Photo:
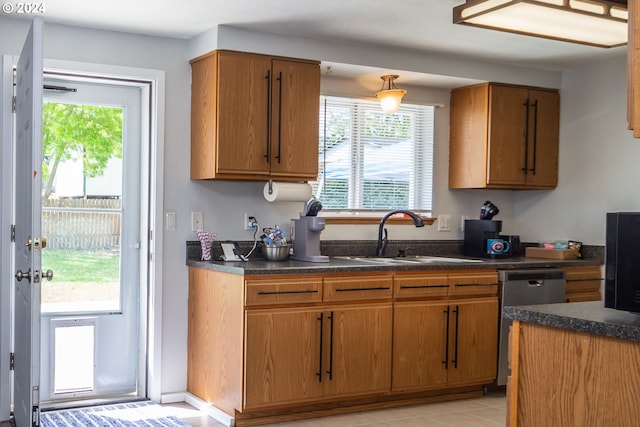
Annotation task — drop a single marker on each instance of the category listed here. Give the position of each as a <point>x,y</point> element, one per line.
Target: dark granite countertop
<point>342,265</point>
<point>589,317</point>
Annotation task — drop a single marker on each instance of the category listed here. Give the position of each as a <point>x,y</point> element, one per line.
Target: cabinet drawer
<point>583,273</point>
<point>583,283</point>
<point>423,285</point>
<point>474,283</point>
<point>283,291</point>
<point>358,288</point>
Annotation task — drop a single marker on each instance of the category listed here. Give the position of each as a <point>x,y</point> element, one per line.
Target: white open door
<point>28,241</point>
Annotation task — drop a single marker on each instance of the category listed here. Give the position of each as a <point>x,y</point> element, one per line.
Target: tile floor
<point>486,411</point>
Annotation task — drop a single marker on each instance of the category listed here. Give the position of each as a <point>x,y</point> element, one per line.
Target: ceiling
<point>420,25</point>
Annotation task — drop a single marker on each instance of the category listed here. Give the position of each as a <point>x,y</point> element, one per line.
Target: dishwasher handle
<point>536,283</point>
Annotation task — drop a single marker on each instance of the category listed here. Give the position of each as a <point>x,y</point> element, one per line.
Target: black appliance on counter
<point>482,236</point>
<point>622,262</point>
<point>476,234</point>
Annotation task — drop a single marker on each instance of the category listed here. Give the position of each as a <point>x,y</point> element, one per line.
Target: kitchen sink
<point>429,259</point>
<point>417,259</point>
<point>380,260</point>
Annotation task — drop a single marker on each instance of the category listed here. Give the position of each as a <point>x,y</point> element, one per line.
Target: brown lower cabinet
<point>300,354</point>
<point>443,343</point>
<point>565,378</point>
<point>583,283</point>
<point>270,348</point>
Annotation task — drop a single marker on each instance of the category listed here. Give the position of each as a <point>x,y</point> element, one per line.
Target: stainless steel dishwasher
<point>526,287</point>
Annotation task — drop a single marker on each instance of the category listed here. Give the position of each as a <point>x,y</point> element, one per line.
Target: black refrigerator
<point>622,261</point>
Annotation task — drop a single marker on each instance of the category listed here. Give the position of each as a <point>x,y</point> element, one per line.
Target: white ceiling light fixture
<point>592,22</point>
<point>391,97</point>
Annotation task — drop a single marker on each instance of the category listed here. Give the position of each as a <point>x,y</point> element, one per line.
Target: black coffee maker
<point>482,236</point>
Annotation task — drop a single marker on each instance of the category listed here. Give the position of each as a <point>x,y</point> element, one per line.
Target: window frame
<point>367,216</point>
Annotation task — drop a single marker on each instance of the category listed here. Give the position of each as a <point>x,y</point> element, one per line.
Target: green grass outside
<point>77,266</point>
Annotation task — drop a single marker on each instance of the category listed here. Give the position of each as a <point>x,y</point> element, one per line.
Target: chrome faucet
<point>382,242</point>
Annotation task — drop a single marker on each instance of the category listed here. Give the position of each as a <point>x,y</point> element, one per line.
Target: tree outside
<point>87,133</point>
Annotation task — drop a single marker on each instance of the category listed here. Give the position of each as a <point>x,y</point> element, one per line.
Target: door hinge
<point>12,361</point>
<point>13,233</point>
<point>13,104</point>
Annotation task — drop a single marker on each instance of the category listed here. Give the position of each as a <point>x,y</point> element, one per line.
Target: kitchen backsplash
<point>368,248</point>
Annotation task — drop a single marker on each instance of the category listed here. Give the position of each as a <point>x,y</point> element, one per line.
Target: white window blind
<point>372,161</point>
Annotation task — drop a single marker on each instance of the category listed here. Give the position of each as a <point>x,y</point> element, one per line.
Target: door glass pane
<point>82,207</point>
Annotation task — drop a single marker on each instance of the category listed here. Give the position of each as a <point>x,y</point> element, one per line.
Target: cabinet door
<point>420,345</point>
<point>358,350</point>
<point>282,356</point>
<point>294,124</point>
<point>544,125</point>
<point>473,341</point>
<point>242,113</point>
<point>507,135</point>
<point>468,137</point>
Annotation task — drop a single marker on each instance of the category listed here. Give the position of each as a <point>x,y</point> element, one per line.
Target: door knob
<point>20,275</point>
<point>48,275</point>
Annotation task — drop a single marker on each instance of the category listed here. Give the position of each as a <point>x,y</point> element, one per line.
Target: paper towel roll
<point>287,192</point>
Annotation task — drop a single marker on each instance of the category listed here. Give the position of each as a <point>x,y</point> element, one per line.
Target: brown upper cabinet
<point>504,137</point>
<point>254,117</point>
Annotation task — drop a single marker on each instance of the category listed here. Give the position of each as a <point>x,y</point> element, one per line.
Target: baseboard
<point>173,397</point>
<point>215,413</point>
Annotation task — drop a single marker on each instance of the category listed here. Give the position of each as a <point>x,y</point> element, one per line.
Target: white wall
<point>599,161</point>
<point>596,152</point>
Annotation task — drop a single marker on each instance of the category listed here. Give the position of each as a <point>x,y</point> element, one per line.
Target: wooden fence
<point>88,224</point>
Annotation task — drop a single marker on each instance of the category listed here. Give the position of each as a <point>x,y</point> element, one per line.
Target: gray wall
<point>599,161</point>
<point>597,154</point>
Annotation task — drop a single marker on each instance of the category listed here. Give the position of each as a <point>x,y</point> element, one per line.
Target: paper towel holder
<point>270,186</point>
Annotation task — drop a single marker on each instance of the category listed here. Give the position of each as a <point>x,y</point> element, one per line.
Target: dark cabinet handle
<point>267,155</point>
<point>455,349</point>
<point>379,288</point>
<point>279,117</point>
<point>424,286</point>
<point>305,291</point>
<point>535,135</point>
<point>445,362</point>
<point>319,373</point>
<point>475,284</point>
<point>526,138</point>
<point>330,371</point>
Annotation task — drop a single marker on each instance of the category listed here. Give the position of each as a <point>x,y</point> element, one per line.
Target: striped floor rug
<point>136,414</point>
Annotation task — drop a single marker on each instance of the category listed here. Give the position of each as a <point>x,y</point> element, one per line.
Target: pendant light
<point>391,97</point>
<point>592,22</point>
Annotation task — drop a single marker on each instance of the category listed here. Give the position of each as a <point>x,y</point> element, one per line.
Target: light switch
<point>444,222</point>
<point>170,221</point>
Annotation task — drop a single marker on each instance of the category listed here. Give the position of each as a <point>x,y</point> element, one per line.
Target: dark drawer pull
<point>424,286</point>
<point>306,291</point>
<point>585,280</point>
<point>381,288</point>
<point>476,284</point>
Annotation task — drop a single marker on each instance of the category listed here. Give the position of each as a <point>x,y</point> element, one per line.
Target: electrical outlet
<point>444,222</point>
<point>249,224</point>
<point>197,221</point>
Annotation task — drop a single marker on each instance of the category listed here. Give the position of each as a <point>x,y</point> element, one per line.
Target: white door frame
<point>6,217</point>
<point>116,373</point>
<point>155,175</point>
